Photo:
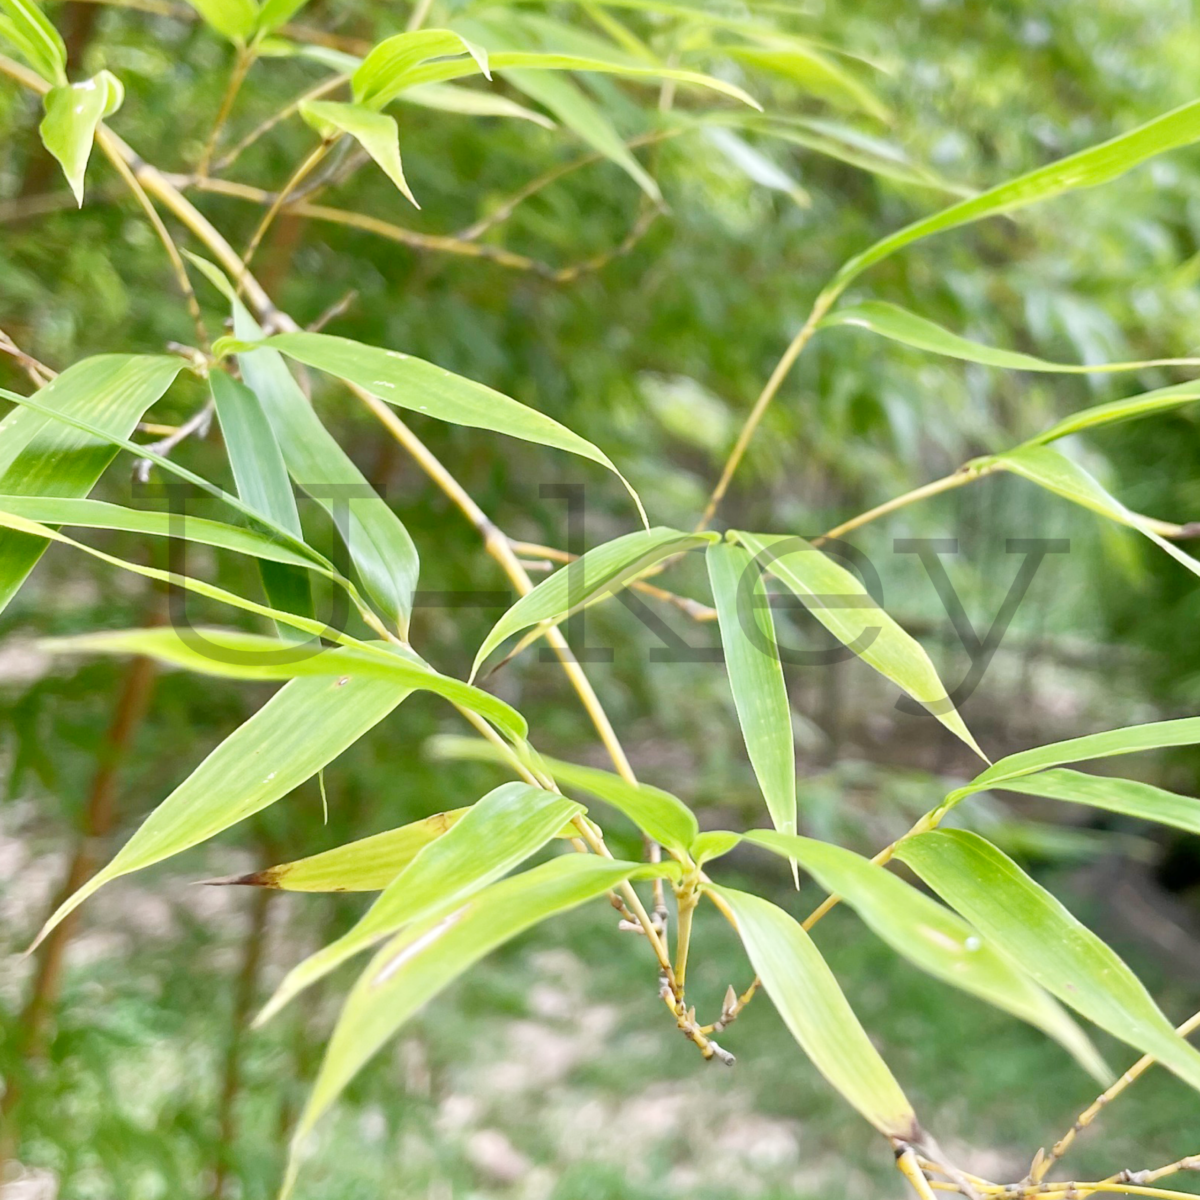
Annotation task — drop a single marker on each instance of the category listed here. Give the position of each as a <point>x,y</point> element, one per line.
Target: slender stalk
<point>1043,1164</point>
<point>242,62</point>
<point>946,483</point>
<point>907,1165</point>
<point>419,13</point>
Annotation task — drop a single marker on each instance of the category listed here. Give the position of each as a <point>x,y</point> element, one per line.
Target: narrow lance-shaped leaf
<point>1056,473</point>
<point>36,38</point>
<point>804,990</point>
<point>496,834</point>
<point>1155,735</point>
<point>1095,165</point>
<point>379,545</point>
<point>232,654</point>
<point>935,939</point>
<point>899,325</point>
<point>69,126</point>
<point>446,97</point>
<point>813,71</point>
<point>412,383</point>
<point>383,74</point>
<point>301,729</point>
<point>1032,927</point>
<point>1130,797</point>
<point>262,482</point>
<point>659,814</point>
<point>837,599</point>
<point>420,962</point>
<point>40,456</point>
<point>756,677</point>
<point>598,573</point>
<point>366,865</point>
<point>232,19</point>
<point>375,132</point>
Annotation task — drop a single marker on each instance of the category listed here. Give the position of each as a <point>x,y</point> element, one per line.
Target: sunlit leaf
<point>934,939</point>
<point>417,964</point>
<point>40,456</point>
<point>384,73</point>
<point>755,676</point>
<point>837,598</point>
<point>814,72</point>
<point>37,39</point>
<point>1034,929</point>
<point>1129,797</point>
<point>1143,405</point>
<point>446,97</point>
<point>231,654</point>
<point>811,1003</point>
<point>899,325</point>
<point>69,126</point>
<point>375,132</point>
<point>496,834</point>
<point>600,572</point>
<point>303,727</point>
<point>234,19</point>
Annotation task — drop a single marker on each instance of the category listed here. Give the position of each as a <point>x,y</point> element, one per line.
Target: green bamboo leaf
<point>379,545</point>
<point>376,132</point>
<point>755,676</point>
<point>69,126</point>
<point>303,727</point>
<point>935,939</point>
<point>1156,735</point>
<point>812,1006</point>
<point>274,13</point>
<point>899,325</point>
<point>262,482</point>
<point>446,97</point>
<point>659,814</point>
<point>814,72</point>
<point>384,73</point>
<point>1089,168</point>
<point>231,654</point>
<point>1058,474</point>
<point>576,112</point>
<point>496,834</point>
<point>1127,796</point>
<point>840,602</point>
<point>1143,405</point>
<point>42,456</point>
<point>40,43</point>
<point>236,20</point>
<point>411,383</point>
<point>598,573</point>
<point>424,959</point>
<point>503,61</point>
<point>1029,925</point>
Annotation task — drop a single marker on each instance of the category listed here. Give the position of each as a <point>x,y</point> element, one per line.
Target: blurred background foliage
<point>547,1073</point>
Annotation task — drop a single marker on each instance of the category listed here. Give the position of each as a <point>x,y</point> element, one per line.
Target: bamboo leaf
<point>37,39</point>
<point>231,654</point>
<point>262,482</point>
<point>899,325</point>
<point>935,939</point>
<point>811,1003</point>
<point>1127,796</point>
<point>69,126</point>
<point>1029,925</point>
<point>1144,405</point>
<point>376,132</point>
<point>1058,474</point>
<point>1156,735</point>
<point>378,543</point>
<point>420,962</point>
<point>814,72</point>
<point>274,13</point>
<point>42,456</point>
<point>233,19</point>
<point>496,834</point>
<point>366,865</point>
<point>446,97</point>
<point>840,602</point>
<point>411,383</point>
<point>384,72</point>
<point>659,814</point>
<point>756,677</point>
<point>1089,168</point>
<point>603,570</point>
<point>303,727</point>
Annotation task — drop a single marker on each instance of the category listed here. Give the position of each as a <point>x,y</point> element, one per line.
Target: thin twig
<point>242,62</point>
<point>198,423</point>
<point>38,372</point>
